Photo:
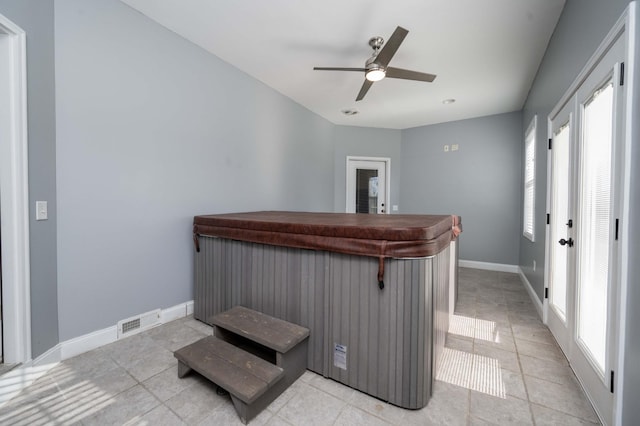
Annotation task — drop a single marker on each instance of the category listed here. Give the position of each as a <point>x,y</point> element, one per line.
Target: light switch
<point>41,210</point>
<point>446,148</point>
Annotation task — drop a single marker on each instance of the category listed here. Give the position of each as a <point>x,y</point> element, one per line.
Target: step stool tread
<point>271,332</point>
<point>240,373</point>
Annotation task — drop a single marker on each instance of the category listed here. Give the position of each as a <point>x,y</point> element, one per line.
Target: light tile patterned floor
<point>501,366</point>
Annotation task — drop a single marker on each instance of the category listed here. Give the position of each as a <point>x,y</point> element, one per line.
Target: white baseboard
<point>500,267</point>
<point>22,376</point>
<point>85,343</point>
<point>174,313</point>
<point>532,294</point>
<point>95,339</point>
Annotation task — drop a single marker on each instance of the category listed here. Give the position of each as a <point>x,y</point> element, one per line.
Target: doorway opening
<point>368,180</point>
<point>14,195</point>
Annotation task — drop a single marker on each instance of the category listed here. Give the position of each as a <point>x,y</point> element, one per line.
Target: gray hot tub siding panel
<point>388,333</point>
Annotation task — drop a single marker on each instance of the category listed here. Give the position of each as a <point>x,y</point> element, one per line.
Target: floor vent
<point>139,323</point>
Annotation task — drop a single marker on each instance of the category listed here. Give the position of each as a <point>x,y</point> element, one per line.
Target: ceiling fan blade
<point>364,89</point>
<point>391,46</point>
<point>338,69</point>
<point>409,75</point>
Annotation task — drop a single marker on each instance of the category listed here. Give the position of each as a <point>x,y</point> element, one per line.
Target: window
<point>528,226</point>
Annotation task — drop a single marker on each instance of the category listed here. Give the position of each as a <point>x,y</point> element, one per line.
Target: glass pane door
<point>559,222</point>
<point>561,230</point>
<point>597,120</point>
<point>367,183</point>
<point>366,191</point>
<point>595,224</point>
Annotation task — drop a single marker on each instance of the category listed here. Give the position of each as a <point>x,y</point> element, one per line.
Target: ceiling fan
<point>376,68</point>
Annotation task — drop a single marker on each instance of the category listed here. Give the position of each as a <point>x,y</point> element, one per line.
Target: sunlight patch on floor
<point>474,328</point>
<point>45,404</point>
<point>471,371</point>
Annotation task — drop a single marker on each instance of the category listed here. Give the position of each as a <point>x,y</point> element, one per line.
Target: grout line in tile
<point>524,383</point>
<point>340,413</point>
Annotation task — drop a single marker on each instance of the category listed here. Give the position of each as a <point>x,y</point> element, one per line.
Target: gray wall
<point>365,142</point>
<point>482,181</point>
<point>581,28</point>
<point>36,19</point>
<point>150,131</point>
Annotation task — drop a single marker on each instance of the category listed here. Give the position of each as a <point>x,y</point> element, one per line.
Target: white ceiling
<point>485,52</point>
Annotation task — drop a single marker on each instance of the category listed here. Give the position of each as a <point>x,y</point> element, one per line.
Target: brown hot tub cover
<point>381,236</point>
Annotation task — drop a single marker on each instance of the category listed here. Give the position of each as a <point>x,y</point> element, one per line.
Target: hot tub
<point>374,290</point>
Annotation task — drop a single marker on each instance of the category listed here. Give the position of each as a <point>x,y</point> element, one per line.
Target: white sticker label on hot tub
<point>340,356</point>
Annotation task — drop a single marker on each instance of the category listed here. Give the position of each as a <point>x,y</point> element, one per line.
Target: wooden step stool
<point>253,356</point>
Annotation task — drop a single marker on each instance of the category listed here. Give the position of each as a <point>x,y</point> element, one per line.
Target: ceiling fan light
<point>375,74</point>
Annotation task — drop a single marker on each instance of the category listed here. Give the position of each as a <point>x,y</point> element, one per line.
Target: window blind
<point>528,228</point>
<point>595,223</point>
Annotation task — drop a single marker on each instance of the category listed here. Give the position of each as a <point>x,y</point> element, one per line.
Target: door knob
<point>568,242</point>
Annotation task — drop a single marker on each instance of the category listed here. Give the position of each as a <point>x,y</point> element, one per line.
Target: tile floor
<point>500,366</point>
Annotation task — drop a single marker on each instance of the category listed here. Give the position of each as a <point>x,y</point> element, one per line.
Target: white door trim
<point>15,194</point>
<point>387,179</point>
<point>630,21</point>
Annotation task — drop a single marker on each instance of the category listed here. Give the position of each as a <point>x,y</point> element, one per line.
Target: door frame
<point>14,203</point>
<point>387,178</point>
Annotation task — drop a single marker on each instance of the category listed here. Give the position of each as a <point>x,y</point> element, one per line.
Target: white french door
<point>560,313</point>
<point>367,182</point>
<point>584,205</point>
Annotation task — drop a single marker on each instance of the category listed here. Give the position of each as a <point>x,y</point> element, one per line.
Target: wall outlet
<point>394,208</point>
<point>454,147</point>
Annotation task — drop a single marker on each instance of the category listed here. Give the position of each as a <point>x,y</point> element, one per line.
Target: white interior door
<point>560,232</point>
<point>367,183</point>
<point>585,198</point>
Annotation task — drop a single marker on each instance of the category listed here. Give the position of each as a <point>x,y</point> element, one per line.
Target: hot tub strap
<point>196,243</point>
<point>381,272</point>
